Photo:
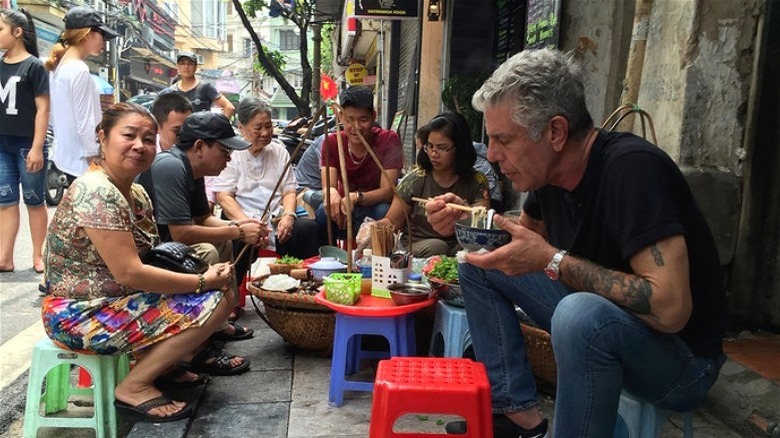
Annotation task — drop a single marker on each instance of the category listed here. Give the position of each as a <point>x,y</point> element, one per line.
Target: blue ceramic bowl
<point>474,239</point>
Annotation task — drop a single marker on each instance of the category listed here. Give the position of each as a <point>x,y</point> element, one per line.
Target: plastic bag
<point>363,238</point>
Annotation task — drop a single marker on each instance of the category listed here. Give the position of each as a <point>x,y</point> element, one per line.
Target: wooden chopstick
<point>451,205</point>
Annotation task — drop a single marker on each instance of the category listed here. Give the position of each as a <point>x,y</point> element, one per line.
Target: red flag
<point>328,87</point>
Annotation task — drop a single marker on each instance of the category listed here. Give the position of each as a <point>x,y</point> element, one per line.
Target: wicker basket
<point>306,329</point>
<point>540,354</point>
<point>298,319</point>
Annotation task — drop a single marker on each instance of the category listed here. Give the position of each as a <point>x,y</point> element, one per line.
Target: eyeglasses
<point>438,148</point>
<point>98,30</point>
<point>222,149</point>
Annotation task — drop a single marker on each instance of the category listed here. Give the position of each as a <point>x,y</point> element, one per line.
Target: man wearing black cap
<point>202,95</point>
<point>175,184</point>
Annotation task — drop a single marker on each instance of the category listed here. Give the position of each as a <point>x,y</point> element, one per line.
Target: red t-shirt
<point>364,175</point>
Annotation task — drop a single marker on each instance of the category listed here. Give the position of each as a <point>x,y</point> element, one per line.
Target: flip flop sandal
<point>239,334</point>
<point>219,365</point>
<point>169,380</point>
<point>141,411</point>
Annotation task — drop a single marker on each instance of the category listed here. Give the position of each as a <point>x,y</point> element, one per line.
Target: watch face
<point>552,274</point>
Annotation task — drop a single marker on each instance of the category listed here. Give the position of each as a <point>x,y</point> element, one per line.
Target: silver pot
<point>409,293</point>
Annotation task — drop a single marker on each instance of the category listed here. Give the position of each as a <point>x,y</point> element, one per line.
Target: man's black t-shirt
<point>202,96</point>
<point>20,84</point>
<point>632,195</point>
<point>176,196</point>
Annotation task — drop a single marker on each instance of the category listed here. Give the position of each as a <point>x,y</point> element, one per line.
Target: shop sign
<point>543,27</point>
<point>151,71</point>
<point>355,74</point>
<point>47,36</point>
<point>387,9</point>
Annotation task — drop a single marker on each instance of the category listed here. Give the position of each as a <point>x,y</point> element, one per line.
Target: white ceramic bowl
<point>326,266</point>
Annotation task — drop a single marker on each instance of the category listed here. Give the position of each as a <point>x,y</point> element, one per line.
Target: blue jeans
<point>13,171</point>
<point>359,213</point>
<point>599,350</point>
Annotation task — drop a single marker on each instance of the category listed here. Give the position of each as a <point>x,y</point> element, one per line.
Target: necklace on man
<point>352,156</point>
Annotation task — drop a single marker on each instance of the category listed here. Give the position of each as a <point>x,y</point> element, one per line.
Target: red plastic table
<point>369,305</point>
<point>369,316</point>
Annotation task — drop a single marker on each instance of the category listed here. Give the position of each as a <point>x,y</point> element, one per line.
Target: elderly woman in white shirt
<point>244,187</point>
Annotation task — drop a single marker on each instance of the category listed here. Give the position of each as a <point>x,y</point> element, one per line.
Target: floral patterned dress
<point>87,309</point>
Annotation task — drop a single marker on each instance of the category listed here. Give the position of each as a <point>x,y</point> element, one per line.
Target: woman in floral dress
<point>102,298</point>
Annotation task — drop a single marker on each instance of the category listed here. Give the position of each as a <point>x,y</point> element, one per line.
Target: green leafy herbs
<point>446,270</point>
<point>289,260</point>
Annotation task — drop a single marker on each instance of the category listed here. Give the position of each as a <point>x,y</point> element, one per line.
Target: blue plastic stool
<point>347,351</point>
<point>54,364</point>
<point>451,336</point>
<point>641,419</point>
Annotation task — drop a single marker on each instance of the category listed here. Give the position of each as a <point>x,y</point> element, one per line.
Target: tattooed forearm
<point>626,290</point>
<point>657,256</point>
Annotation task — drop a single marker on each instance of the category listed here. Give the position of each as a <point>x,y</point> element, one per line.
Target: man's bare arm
<point>658,291</point>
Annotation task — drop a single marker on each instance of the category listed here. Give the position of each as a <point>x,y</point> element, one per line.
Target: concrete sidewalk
<point>286,395</point>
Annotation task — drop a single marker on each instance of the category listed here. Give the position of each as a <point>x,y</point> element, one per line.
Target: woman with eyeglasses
<point>75,102</point>
<point>444,165</point>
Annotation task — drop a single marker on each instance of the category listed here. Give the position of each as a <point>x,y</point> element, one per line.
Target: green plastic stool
<point>54,364</point>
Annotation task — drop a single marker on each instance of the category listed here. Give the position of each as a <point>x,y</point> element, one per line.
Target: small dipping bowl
<point>450,293</point>
<point>409,293</point>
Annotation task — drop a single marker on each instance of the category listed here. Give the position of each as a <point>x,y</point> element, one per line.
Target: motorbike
<point>292,134</point>
<point>56,181</point>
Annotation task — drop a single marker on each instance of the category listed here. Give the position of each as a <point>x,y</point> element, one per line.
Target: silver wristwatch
<point>553,269</point>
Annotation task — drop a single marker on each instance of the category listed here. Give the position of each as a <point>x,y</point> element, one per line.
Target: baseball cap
<point>83,16</point>
<point>206,125</point>
<point>188,55</point>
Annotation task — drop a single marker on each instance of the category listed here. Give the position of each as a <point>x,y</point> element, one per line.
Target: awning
<point>103,86</point>
<point>156,85</point>
<point>143,54</point>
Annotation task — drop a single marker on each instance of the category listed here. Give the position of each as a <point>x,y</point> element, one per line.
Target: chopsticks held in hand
<point>465,208</point>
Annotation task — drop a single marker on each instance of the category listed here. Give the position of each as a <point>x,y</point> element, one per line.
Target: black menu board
<point>543,24</point>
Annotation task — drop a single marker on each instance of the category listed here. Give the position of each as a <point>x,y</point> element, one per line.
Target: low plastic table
<point>369,316</point>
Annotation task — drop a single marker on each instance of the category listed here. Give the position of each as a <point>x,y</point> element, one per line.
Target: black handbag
<point>177,257</point>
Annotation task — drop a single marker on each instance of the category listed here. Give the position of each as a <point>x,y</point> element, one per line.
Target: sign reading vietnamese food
<point>387,9</point>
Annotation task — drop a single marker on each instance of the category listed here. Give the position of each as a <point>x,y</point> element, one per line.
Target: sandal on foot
<point>169,380</point>
<point>216,362</point>
<point>239,334</point>
<point>141,410</point>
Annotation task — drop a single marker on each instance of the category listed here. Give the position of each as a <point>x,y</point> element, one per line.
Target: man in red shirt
<point>370,192</point>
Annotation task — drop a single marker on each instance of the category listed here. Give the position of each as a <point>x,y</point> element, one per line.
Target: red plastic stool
<point>406,385</point>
